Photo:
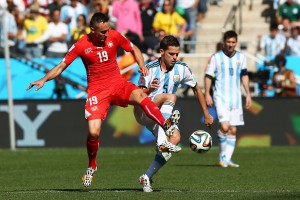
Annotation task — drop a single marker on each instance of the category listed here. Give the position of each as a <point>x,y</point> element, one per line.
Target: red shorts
<point>97,104</point>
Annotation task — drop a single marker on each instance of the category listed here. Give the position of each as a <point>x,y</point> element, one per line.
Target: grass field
<point>265,173</point>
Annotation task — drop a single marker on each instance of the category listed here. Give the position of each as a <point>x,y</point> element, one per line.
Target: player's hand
<point>208,120</point>
<point>38,83</point>
<point>248,102</point>
<point>208,100</point>
<point>144,70</point>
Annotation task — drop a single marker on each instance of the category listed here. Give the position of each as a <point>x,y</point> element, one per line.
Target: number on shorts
<point>93,100</point>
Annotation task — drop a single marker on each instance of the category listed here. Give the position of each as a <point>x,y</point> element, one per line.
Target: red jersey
<point>100,62</point>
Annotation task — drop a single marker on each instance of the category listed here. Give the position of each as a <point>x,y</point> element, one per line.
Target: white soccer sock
<point>166,109</point>
<point>222,143</point>
<point>231,139</point>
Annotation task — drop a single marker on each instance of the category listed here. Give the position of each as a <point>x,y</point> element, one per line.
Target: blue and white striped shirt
<point>227,91</point>
<point>168,81</point>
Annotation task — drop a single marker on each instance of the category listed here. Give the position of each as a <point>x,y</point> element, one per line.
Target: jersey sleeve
<point>188,77</point>
<point>72,54</point>
<point>124,43</point>
<point>211,66</point>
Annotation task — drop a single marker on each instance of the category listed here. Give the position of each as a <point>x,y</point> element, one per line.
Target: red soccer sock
<point>92,146</point>
<point>152,111</point>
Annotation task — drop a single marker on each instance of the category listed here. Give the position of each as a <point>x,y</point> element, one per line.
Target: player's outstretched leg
<point>145,181</point>
<point>87,178</point>
<point>171,123</point>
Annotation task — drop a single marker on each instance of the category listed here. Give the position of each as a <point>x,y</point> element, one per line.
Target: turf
<point>265,173</point>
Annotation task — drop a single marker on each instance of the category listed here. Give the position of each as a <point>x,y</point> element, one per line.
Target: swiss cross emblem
<point>110,44</point>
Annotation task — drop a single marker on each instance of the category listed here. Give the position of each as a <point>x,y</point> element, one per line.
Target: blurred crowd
<point>38,28</point>
<point>282,40</point>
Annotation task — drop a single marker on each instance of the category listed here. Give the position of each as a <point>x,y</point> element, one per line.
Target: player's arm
<point>208,119</point>
<point>54,72</point>
<point>245,82</point>
<point>140,60</point>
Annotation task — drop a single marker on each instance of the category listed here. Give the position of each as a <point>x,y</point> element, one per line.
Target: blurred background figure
<point>12,29</point>
<point>169,21</point>
<point>55,36</point>
<point>128,16</point>
<point>34,25</point>
<point>59,90</point>
<point>148,11</point>
<point>273,43</point>
<point>81,29</point>
<point>69,14</point>
<point>283,81</point>
<point>293,43</point>
<point>191,11</point>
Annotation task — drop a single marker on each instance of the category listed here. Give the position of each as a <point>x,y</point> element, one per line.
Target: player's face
<point>170,56</point>
<point>230,44</point>
<point>100,32</point>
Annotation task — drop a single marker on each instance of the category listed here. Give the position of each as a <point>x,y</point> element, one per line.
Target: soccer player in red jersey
<point>98,51</point>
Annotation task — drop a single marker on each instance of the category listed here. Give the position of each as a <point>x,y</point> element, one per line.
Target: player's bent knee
<point>172,98</point>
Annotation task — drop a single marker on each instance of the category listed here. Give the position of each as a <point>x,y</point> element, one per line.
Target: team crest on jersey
<point>238,62</point>
<point>110,44</point>
<point>176,78</point>
<point>88,50</point>
<point>94,108</point>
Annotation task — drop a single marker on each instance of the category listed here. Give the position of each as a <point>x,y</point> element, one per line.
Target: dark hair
<point>229,34</point>
<point>84,18</point>
<point>219,46</point>
<point>98,18</point>
<point>273,26</point>
<point>167,41</point>
<point>280,58</point>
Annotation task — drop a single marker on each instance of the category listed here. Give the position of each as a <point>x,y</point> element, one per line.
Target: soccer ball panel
<point>200,141</point>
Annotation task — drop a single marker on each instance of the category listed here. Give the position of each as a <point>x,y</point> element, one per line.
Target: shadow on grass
<point>197,165</point>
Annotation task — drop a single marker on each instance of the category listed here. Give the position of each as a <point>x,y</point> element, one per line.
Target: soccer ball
<point>200,141</point>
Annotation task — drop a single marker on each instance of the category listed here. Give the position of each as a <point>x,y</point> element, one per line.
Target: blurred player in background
<point>229,68</point>
<point>166,74</point>
<point>98,51</point>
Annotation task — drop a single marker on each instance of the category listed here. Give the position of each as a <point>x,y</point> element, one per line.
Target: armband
<point>244,72</point>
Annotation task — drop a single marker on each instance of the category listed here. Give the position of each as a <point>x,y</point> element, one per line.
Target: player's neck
<point>229,54</point>
<point>163,66</point>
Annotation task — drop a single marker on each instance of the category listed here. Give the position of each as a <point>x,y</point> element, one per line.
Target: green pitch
<point>265,173</point>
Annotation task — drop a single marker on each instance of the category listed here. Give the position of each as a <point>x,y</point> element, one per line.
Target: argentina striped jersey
<point>168,81</point>
<point>227,91</point>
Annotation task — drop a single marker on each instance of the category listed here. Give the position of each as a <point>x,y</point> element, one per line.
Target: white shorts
<point>233,116</point>
<point>143,119</point>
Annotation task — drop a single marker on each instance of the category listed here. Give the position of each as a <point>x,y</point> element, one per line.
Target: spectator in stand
<point>56,4</point>
<point>102,6</point>
<point>35,25</point>
<point>285,28</point>
<point>202,9</point>
<point>12,29</point>
<point>81,29</point>
<point>69,14</point>
<point>293,43</point>
<point>273,43</point>
<point>283,80</point>
<point>19,3</point>
<point>148,12</point>
<point>169,21</point>
<point>127,13</point>
<point>56,37</point>
<point>190,7</point>
<point>289,10</point>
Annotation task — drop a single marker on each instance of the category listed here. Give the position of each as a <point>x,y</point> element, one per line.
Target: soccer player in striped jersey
<point>106,87</point>
<point>229,68</point>
<point>165,75</point>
